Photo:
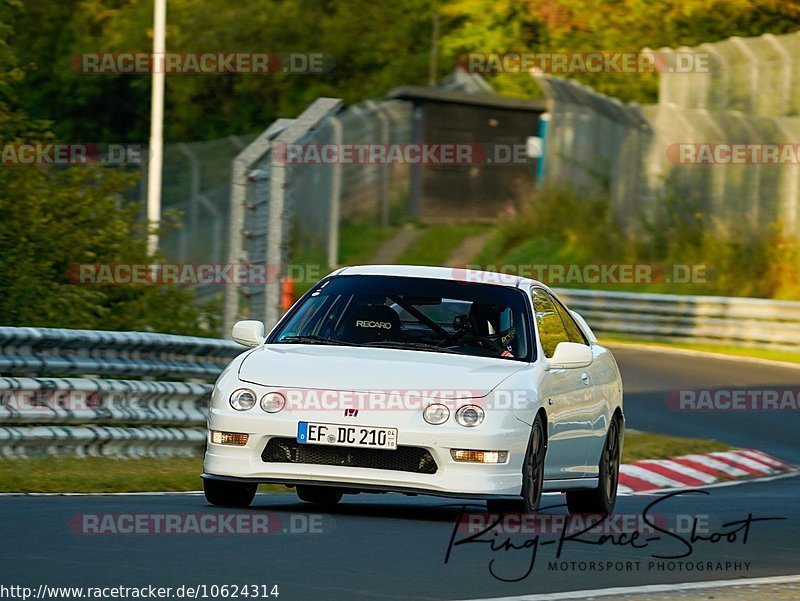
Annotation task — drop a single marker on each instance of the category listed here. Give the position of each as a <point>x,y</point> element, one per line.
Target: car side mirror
<point>249,332</point>
<point>569,355</point>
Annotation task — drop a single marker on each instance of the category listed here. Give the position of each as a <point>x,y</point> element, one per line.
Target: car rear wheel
<point>603,498</point>
<point>229,494</point>
<point>532,476</point>
<point>320,495</point>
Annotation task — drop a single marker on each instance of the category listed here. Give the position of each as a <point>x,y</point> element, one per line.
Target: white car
<point>420,380</point>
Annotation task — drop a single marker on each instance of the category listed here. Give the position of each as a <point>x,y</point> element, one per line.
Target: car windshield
<point>412,313</point>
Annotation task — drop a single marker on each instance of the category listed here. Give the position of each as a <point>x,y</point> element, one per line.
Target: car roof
<point>456,274</point>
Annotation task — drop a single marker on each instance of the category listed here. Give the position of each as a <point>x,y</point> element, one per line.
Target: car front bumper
<point>452,478</point>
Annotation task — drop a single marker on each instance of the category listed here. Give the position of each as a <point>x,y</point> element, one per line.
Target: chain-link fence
<point>595,143</point>
<point>321,196</point>
<point>755,76</point>
<point>195,191</point>
<point>706,143</point>
<point>282,207</point>
<point>746,93</point>
<point>271,208</point>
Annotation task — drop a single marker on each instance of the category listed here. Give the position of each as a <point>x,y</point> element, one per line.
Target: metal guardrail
<point>743,322</point>
<point>55,400</point>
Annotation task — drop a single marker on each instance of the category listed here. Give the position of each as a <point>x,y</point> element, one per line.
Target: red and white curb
<point>690,471</point>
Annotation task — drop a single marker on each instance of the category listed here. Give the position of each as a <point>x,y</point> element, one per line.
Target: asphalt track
<point>394,547</point>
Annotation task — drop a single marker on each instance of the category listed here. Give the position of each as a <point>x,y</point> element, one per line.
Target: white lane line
<point>680,469</point>
<point>644,474</point>
<point>745,461</point>
<point>649,589</point>
<point>709,461</point>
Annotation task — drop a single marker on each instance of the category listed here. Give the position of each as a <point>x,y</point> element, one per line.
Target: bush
<point>559,226</point>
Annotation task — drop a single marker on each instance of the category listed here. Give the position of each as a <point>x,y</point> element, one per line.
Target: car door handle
<point>585,378</point>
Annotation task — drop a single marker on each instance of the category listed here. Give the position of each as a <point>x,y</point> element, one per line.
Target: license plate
<point>347,436</point>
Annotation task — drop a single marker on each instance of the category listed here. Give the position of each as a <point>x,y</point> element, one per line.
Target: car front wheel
<point>532,476</point>
<point>603,498</point>
<point>229,494</point>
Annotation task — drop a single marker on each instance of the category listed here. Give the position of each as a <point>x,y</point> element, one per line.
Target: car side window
<point>573,331</point>
<point>551,327</point>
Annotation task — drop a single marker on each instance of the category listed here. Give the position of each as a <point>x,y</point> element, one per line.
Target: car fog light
<point>232,438</point>
<point>479,456</point>
<point>436,414</point>
<point>243,399</point>
<point>272,402</point>
<point>470,416</point>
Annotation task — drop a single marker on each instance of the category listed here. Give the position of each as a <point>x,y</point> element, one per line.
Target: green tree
<point>613,26</point>
<point>375,45</point>
<point>54,217</point>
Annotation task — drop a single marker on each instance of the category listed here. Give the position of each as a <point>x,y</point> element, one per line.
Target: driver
<point>493,324</point>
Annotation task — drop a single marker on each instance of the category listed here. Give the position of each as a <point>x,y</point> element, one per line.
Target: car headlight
<point>436,414</point>
<point>470,416</point>
<point>242,399</point>
<point>272,402</point>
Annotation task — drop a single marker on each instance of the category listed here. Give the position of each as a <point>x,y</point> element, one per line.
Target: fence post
<point>335,199</point>
<point>722,87</point>
<point>415,182</point>
<point>235,235</point>
<point>383,185</point>
<point>754,71</point>
<point>238,199</point>
<point>194,193</point>
<point>789,189</point>
<point>277,227</point>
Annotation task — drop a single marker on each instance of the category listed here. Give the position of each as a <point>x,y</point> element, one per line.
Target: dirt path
<point>388,253</point>
<point>468,249</point>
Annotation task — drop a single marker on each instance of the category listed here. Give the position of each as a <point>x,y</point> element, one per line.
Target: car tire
<point>229,494</point>
<point>601,500</point>
<point>532,476</point>
<point>319,495</point>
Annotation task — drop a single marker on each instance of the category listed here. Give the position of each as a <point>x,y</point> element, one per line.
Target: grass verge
<point>645,445</point>
<point>736,351</point>
<point>358,242</point>
<point>98,474</point>
<point>437,242</point>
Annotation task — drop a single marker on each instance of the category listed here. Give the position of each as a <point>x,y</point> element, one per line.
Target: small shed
<point>501,174</point>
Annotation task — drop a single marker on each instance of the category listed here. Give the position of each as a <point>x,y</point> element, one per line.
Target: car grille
<point>403,459</point>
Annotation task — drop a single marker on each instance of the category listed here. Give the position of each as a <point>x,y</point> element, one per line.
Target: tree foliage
<point>51,218</point>
<point>611,26</point>
<point>377,44</point>
<point>54,217</point>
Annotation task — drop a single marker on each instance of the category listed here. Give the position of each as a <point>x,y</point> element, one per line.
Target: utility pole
<point>155,154</point>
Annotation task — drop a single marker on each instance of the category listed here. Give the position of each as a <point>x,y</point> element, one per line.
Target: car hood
<point>324,367</point>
